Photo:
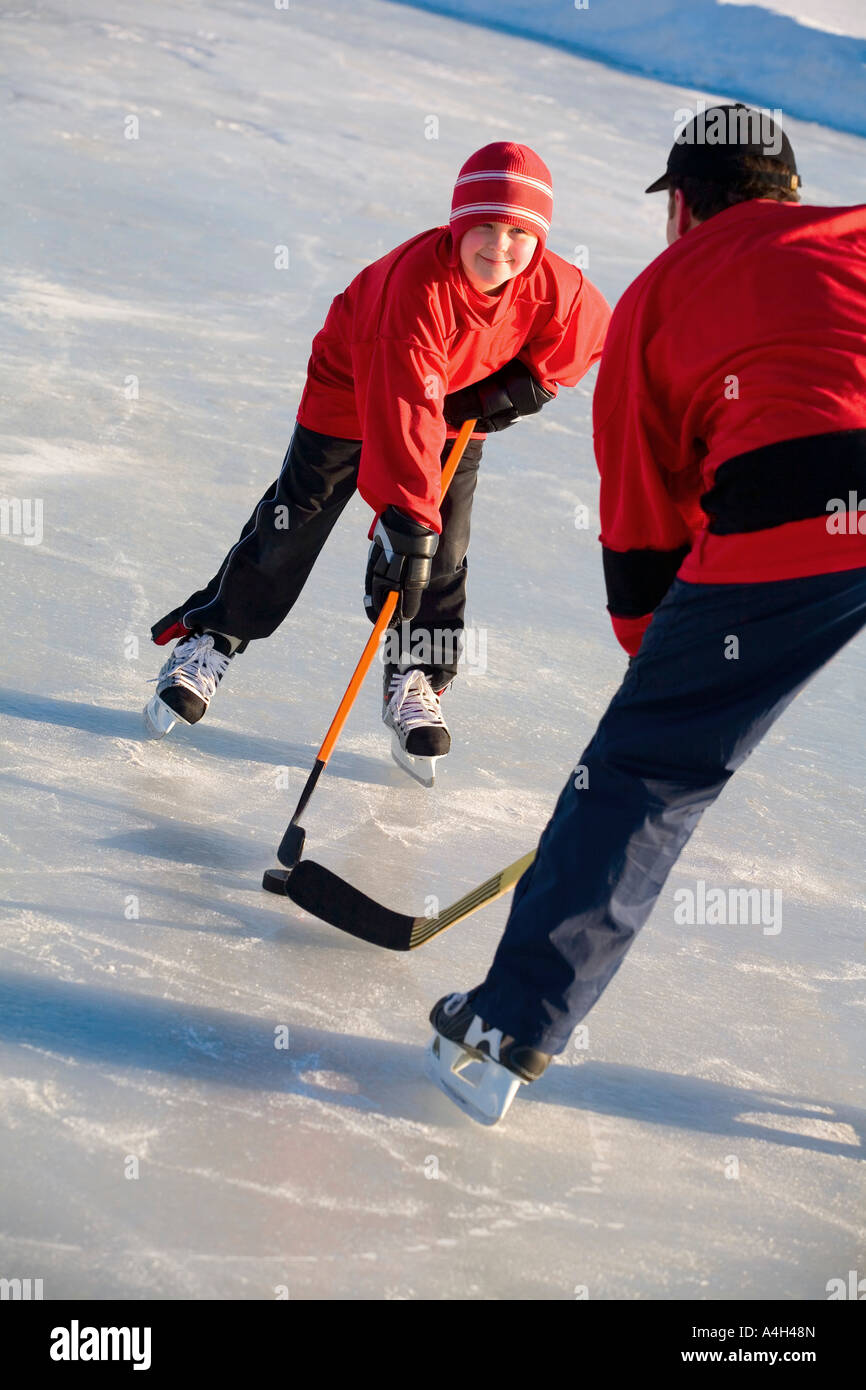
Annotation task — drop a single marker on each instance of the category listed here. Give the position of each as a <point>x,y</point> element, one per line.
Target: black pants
<point>260,579</point>
<point>690,710</point>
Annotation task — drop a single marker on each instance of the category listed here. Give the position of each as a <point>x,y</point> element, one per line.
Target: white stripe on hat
<point>520,214</point>
<point>506,174</point>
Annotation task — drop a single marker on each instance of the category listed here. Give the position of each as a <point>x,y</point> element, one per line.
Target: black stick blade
<point>291,845</point>
<point>326,895</point>
<point>275,880</point>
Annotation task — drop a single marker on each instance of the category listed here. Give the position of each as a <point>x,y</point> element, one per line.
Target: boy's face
<point>493,253</point>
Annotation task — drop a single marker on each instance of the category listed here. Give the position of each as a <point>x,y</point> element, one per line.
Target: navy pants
<point>692,706</point>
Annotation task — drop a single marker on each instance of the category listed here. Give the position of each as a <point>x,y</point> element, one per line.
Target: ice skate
<point>419,734</point>
<point>478,1067</point>
<point>187,681</point>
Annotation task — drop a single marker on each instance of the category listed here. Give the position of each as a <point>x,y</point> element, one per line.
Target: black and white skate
<point>495,1062</point>
<point>419,734</point>
<point>187,681</point>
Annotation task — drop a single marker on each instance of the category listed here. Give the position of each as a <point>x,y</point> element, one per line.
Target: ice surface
<point>802,56</point>
<point>143,973</point>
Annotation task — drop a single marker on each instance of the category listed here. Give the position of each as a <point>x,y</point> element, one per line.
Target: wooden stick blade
<point>487,892</point>
<point>323,893</point>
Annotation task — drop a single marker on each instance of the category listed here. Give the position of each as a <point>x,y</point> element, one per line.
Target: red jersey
<point>409,329</point>
<point>730,407</point>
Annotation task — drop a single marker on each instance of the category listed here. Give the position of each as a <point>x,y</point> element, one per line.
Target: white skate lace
<point>196,665</point>
<point>413,702</point>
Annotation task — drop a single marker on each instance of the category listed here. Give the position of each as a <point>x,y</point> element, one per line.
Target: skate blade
<point>159,719</point>
<point>485,1098</point>
<point>422,769</point>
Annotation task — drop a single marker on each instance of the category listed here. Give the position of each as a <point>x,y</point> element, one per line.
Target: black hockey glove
<point>401,558</point>
<point>497,400</point>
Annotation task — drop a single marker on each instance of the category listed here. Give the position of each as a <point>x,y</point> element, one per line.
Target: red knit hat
<point>504,182</point>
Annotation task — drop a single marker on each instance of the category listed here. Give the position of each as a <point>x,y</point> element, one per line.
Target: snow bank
<point>746,52</point>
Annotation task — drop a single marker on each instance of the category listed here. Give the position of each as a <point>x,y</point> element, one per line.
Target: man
<point>730,435</point>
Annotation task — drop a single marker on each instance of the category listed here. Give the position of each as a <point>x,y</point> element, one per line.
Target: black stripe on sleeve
<point>792,480</point>
<point>637,580</point>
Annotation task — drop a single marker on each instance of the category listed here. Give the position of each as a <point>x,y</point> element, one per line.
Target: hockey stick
<point>292,844</point>
<point>326,895</point>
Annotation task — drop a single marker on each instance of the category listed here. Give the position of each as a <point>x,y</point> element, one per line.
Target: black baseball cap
<point>715,144</point>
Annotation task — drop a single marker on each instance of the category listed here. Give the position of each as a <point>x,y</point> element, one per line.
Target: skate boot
<point>501,1064</point>
<point>188,680</point>
<point>419,734</point>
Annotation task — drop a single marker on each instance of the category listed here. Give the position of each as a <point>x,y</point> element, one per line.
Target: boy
<point>473,320</point>
<point>730,434</point>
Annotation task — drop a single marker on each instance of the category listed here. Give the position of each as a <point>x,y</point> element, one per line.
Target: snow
<point>781,55</point>
<point>143,973</point>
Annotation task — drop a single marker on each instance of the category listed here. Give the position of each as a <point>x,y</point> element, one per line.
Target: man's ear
<point>683,213</point>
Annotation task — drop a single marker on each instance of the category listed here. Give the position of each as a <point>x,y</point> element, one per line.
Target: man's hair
<point>705,199</point>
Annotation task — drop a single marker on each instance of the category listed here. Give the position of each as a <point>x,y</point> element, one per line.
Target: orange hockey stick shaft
<point>384,618</point>
<point>292,843</point>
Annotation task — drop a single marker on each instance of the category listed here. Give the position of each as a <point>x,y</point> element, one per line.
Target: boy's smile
<point>492,253</point>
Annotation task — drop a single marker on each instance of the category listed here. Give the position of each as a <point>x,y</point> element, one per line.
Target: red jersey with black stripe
<point>409,329</point>
<point>730,409</point>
